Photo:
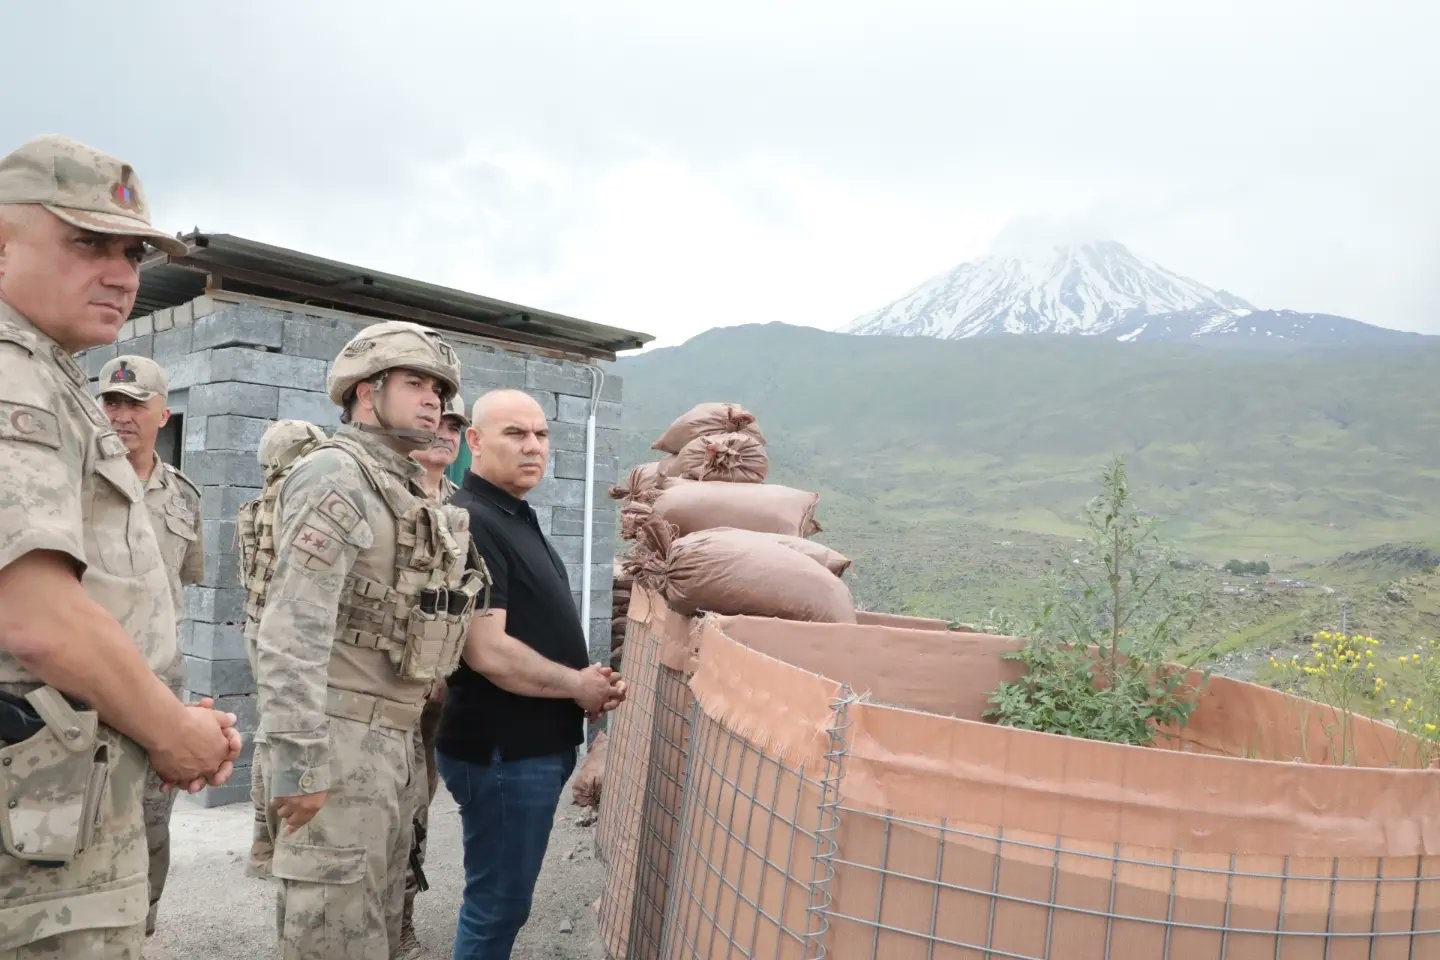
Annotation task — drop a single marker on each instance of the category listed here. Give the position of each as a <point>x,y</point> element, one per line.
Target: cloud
<point>671,167</point>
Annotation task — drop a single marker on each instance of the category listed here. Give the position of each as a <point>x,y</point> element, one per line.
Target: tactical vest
<point>419,620</point>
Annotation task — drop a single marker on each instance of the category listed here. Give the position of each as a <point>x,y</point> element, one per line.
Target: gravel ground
<point>211,910</point>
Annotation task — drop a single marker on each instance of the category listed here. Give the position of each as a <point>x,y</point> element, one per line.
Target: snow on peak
<point>1040,279</point>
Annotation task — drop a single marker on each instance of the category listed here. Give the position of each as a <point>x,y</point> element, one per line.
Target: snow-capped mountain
<point>1092,288</point>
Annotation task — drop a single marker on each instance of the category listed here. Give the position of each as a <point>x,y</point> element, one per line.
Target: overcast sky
<point>671,167</point>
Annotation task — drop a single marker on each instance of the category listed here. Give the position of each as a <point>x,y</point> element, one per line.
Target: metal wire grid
<point>618,731</point>
<point>741,886</point>
<point>617,833</point>
<point>992,896</point>
<point>660,820</point>
<point>769,863</point>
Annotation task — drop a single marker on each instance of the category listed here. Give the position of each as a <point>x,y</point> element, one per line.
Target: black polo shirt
<point>533,589</point>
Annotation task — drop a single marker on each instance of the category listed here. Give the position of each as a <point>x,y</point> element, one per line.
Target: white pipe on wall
<point>587,539</point>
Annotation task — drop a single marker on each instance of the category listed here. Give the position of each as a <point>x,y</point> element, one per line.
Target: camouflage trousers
<point>422,794</point>
<point>94,906</point>
<point>342,875</point>
<point>158,805</point>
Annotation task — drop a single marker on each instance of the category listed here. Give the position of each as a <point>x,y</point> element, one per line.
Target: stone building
<point>247,332</point>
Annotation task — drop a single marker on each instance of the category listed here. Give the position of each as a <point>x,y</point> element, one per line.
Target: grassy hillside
<point>951,471</point>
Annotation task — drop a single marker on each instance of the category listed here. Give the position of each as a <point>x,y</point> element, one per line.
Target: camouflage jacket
<point>329,521</point>
<point>174,505</point>
<point>69,488</point>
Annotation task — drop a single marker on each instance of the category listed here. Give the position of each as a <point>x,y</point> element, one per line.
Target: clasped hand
<point>599,690</point>
<point>200,751</point>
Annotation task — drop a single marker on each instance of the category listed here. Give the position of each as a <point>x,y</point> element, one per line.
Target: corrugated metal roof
<point>259,269</point>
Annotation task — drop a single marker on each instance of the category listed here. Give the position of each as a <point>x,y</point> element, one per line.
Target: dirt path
<point>212,910</point>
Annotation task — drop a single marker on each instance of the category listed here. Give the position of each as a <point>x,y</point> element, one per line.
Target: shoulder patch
<point>23,339</point>
<point>323,546</point>
<point>338,509</point>
<point>185,482</point>
<point>20,421</point>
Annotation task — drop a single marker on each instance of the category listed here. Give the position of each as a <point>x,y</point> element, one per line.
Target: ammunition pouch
<point>435,630</point>
<point>52,783</point>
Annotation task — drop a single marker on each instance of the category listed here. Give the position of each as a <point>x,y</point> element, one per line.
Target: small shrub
<point>1095,651</point>
<point>1254,568</point>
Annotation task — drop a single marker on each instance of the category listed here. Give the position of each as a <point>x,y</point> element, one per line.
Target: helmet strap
<point>405,439</point>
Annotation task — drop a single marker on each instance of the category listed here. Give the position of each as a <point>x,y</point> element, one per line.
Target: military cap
<point>82,186</point>
<point>138,378</point>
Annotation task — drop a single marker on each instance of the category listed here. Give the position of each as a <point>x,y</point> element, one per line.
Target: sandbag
<point>642,477</point>
<point>730,571</point>
<point>735,457</point>
<point>832,560</point>
<point>707,418</point>
<point>632,517</point>
<point>766,507</point>
<point>585,791</point>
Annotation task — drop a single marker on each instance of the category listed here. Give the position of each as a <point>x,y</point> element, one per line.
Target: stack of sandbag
<point>735,571</point>
<point>590,778</point>
<point>713,442</point>
<point>619,614</point>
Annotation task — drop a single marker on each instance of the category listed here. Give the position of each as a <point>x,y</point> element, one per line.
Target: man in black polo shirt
<point>515,707</point>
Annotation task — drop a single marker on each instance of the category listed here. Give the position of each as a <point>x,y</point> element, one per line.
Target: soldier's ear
<point>165,416</point>
<point>364,395</point>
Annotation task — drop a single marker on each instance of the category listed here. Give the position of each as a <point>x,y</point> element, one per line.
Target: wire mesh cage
<point>781,815</point>
<point>744,874</point>
<point>617,832</point>
<point>660,815</point>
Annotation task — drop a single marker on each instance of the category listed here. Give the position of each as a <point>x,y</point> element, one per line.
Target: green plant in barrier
<point>1096,646</point>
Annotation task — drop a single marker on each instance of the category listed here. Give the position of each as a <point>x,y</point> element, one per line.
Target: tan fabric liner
<point>929,766</point>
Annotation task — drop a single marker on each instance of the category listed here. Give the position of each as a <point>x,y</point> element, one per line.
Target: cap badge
<point>122,193</point>
<point>124,374</point>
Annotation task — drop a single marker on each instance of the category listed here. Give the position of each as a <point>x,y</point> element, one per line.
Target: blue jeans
<point>506,812</point>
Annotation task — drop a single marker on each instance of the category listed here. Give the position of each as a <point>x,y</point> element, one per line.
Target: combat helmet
<point>385,346</point>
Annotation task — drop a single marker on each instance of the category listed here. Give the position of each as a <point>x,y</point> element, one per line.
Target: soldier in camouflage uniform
<point>86,617</point>
<point>133,392</point>
<point>436,459</point>
<point>361,589</point>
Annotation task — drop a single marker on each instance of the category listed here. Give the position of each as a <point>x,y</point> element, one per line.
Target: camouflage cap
<point>82,186</point>
<point>455,407</point>
<point>138,378</point>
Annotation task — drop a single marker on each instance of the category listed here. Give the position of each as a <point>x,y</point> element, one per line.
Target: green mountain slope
<point>926,450</point>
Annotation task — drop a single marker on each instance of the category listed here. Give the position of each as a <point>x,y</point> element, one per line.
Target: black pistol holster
<point>418,839</point>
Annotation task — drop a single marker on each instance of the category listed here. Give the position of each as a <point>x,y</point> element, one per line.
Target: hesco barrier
<point>839,798</point>
<point>617,832</point>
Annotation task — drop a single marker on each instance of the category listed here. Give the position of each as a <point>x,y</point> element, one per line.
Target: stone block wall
<point>237,365</point>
